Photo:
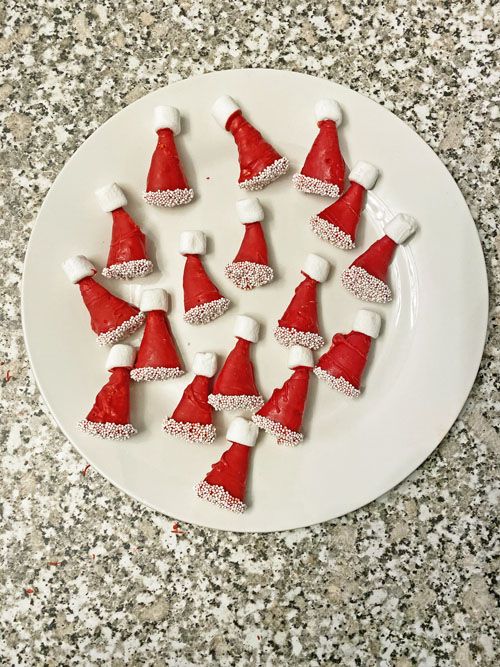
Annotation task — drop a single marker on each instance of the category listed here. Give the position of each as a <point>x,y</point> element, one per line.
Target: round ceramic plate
<point>422,366</point>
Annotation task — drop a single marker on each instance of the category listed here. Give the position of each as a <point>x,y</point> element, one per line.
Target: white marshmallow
<point>78,267</point>
<point>121,356</point>
<point>367,322</point>
<point>223,108</point>
<point>401,227</point>
<point>300,356</point>
<point>243,432</point>
<point>247,328</point>
<point>205,363</point>
<point>316,267</point>
<point>364,174</point>
<point>154,299</point>
<point>249,210</point>
<point>110,197</point>
<point>167,117</point>
<point>328,109</point>
<point>192,243</point>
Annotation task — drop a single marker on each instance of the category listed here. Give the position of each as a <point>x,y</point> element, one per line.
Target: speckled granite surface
<point>90,577</point>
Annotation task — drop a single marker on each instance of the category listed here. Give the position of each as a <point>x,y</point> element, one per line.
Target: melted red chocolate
<point>325,161</point>
<point>112,403</point>
<point>236,377</point>
<point>198,288</point>
<point>302,313</point>
<point>194,407</point>
<point>377,258</point>
<point>253,247</point>
<point>107,311</point>
<point>165,172</point>
<point>347,357</point>
<point>287,404</point>
<point>346,211</point>
<point>255,154</point>
<point>230,471</point>
<point>157,348</point>
<point>128,243</point>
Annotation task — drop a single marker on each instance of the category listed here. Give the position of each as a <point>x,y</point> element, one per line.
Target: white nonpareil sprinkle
<point>125,329</point>
<point>206,312</point>
<point>365,286</point>
<point>152,373</point>
<point>107,430</point>
<point>338,383</point>
<point>314,186</point>
<point>169,198</point>
<point>290,336</point>
<point>219,496</point>
<point>267,175</point>
<point>190,431</point>
<point>241,402</point>
<point>136,268</point>
<point>283,435</point>
<point>248,275</point>
<point>331,233</point>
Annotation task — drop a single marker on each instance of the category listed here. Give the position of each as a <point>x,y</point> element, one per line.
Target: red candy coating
<point>107,311</point>
<point>254,153</point>
<point>165,171</point>
<point>112,403</point>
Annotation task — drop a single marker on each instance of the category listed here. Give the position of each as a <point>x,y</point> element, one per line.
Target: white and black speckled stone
<point>407,580</point>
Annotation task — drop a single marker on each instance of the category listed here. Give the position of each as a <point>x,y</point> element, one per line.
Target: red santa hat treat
<point>110,414</point>
<point>338,222</point>
<point>166,184</point>
<point>323,172</point>
<point>225,485</point>
<point>366,278</point>
<point>250,267</point>
<point>281,416</point>
<point>202,300</point>
<point>260,163</point>
<point>111,318</point>
<point>157,358</point>
<point>127,256</point>
<point>192,418</point>
<point>234,386</point>
<point>299,324</point>
<point>343,365</point>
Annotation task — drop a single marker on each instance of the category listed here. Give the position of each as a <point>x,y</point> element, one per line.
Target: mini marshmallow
<point>249,210</point>
<point>401,227</point>
<point>300,356</point>
<point>328,110</point>
<point>193,243</point>
<point>110,197</point>
<point>154,299</point>
<point>205,363</point>
<point>121,356</point>
<point>316,267</point>
<point>78,267</point>
<point>167,117</point>
<point>367,322</point>
<point>243,432</point>
<point>365,174</point>
<point>223,108</point>
<point>247,328</point>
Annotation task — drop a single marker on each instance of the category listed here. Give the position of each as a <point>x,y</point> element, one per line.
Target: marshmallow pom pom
<point>242,431</point>
<point>401,227</point>
<point>367,322</point>
<point>365,174</point>
<point>193,243</point>
<point>316,268</point>
<point>121,356</point>
<point>300,356</point>
<point>328,109</point>
<point>110,197</point>
<point>247,328</point>
<point>223,108</point>
<point>165,117</point>
<point>154,299</point>
<point>249,210</point>
<point>78,267</point>
<point>205,363</point>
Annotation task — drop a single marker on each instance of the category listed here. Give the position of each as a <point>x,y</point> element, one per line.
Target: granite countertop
<point>91,577</point>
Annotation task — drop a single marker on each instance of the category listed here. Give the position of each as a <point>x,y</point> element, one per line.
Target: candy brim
<point>283,435</point>
<point>240,402</point>
<point>207,312</point>
<point>331,233</point>
<point>107,430</point>
<point>288,336</point>
<point>136,268</point>
<point>267,175</point>
<point>125,329</point>
<point>219,496</point>
<point>152,373</point>
<point>248,275</point>
<point>313,186</point>
<point>338,383</point>
<point>366,287</point>
<point>191,431</point>
<point>169,198</point>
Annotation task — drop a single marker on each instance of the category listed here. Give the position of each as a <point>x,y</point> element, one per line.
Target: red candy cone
<point>343,365</point>
<point>281,416</point>
<point>157,358</point>
<point>366,277</point>
<point>110,414</point>
<point>338,223</point>
<point>225,485</point>
<point>260,163</point>
<point>167,185</point>
<point>323,172</point>
<point>299,324</point>
<point>234,386</point>
<point>250,267</point>
<point>111,318</point>
<point>192,418</point>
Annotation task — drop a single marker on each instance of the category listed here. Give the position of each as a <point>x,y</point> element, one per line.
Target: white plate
<point>423,364</point>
